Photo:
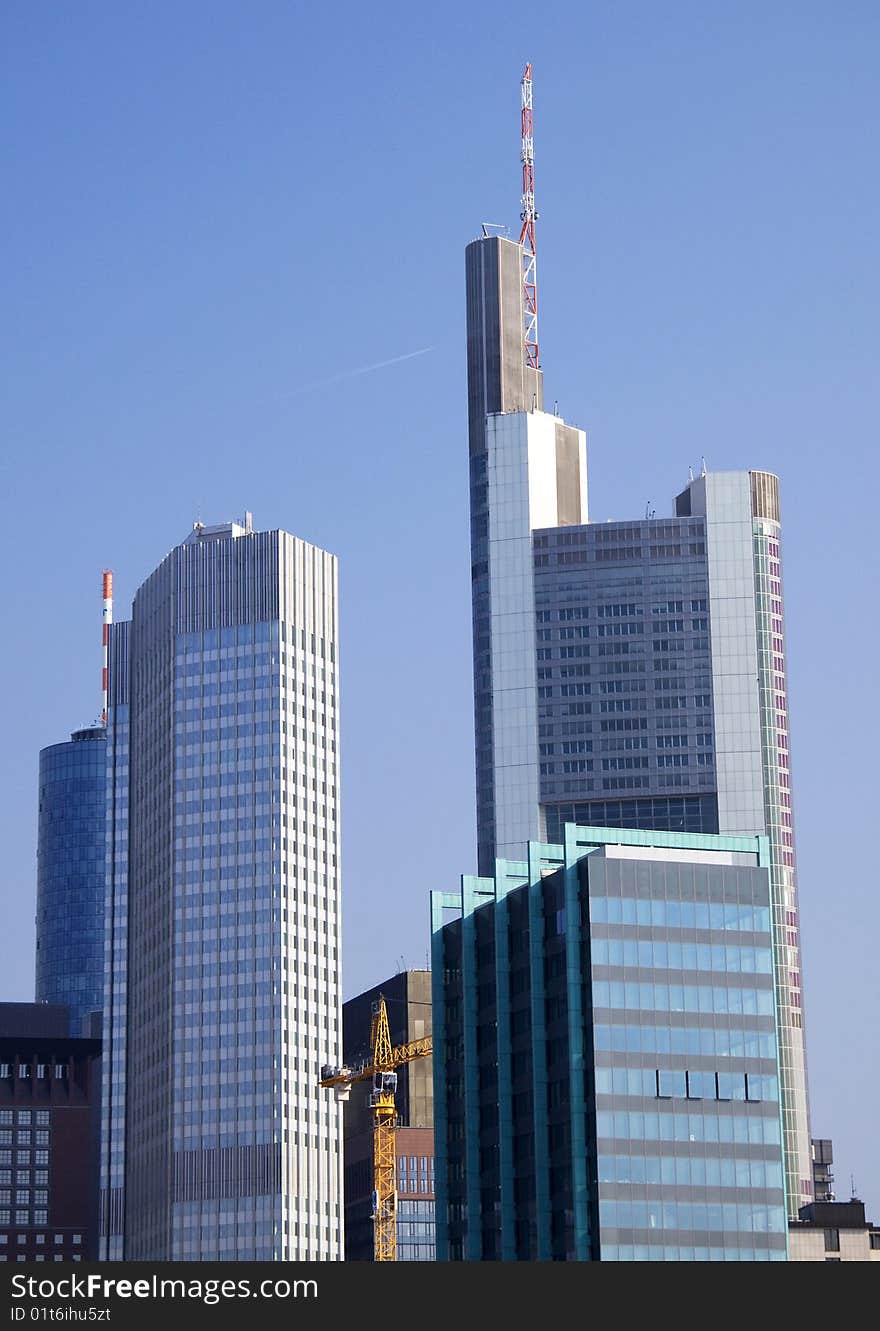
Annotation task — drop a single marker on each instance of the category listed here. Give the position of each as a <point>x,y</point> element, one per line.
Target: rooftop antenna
<point>529,217</point>
<point>690,473</point>
<point>702,466</point>
<point>107,592</point>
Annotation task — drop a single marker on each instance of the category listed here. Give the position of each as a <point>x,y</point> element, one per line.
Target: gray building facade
<point>223,922</point>
<point>606,1058</point>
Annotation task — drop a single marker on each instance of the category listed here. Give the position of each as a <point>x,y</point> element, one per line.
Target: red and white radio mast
<point>527,234</point>
<point>107,589</point>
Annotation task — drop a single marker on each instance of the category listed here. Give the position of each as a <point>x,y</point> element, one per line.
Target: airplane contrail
<point>351,374</point>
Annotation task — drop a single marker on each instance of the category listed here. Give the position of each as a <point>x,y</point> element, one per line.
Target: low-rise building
<point>49,1106</point>
<point>834,1232</point>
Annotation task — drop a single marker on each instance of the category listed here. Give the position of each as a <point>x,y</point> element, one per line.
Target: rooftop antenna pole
<point>527,235</point>
<point>108,620</point>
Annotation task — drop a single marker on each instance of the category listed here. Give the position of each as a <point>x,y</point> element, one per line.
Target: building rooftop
<point>835,1215</point>
<point>220,530</point>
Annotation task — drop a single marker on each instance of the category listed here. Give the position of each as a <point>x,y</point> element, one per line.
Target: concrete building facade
<point>834,1232</point>
<point>223,910</point>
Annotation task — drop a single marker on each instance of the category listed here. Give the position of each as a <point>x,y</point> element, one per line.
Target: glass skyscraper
<point>605,1054</point>
<point>626,674</point>
<point>70,875</point>
<point>223,923</point>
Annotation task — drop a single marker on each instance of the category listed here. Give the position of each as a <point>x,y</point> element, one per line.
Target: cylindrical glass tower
<point>70,874</point>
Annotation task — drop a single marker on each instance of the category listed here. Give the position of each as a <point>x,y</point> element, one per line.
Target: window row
<point>680,956</point>
<point>690,1172</point>
<point>40,1239</point>
<point>653,1082</point>
<point>740,1128</point>
<point>680,914</point>
<point>716,1216</point>
<point>647,997</point>
<point>41,1070</point>
<point>23,1177</point>
<point>703,1040</point>
<point>686,1252</point>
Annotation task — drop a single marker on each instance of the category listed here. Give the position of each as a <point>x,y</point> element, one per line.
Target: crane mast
<point>529,216</point>
<point>384,1124</point>
<point>381,1068</point>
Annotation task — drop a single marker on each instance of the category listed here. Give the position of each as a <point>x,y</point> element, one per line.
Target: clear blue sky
<point>212,207</point>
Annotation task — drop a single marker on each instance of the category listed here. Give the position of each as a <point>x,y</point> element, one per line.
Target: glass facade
<point>415,1231</point>
<point>225,879</point>
<point>623,670</point>
<point>606,1060</point>
<point>113,1081</point>
<point>70,875</point>
<point>657,696</point>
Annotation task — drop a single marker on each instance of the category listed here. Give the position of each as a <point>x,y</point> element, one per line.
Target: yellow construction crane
<point>382,1069</point>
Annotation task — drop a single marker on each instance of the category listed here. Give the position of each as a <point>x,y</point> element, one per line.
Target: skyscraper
<point>527,468</point>
<point>70,875</point>
<point>223,924</point>
<point>626,674</point>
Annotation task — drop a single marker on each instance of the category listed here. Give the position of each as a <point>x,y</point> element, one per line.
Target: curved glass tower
<point>70,874</point>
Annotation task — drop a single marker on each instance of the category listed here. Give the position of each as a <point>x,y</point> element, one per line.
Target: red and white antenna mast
<point>108,620</point>
<point>527,234</point>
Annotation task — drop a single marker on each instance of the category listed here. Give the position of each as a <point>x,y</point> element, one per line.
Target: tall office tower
<point>605,1054</point>
<point>223,921</point>
<point>48,1136</point>
<point>527,469</point>
<point>408,1002</point>
<point>626,674</point>
<point>70,875</point>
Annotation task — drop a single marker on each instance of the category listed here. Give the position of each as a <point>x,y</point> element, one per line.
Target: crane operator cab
<point>384,1083</point>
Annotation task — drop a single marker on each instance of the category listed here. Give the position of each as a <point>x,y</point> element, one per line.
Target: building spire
<point>107,590</point>
<point>529,216</point>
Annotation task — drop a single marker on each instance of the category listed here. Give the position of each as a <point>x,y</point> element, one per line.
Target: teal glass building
<point>70,874</point>
<point>606,1054</point>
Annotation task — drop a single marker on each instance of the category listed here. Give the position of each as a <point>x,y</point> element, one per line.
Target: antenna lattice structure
<point>107,591</point>
<point>527,235</point>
